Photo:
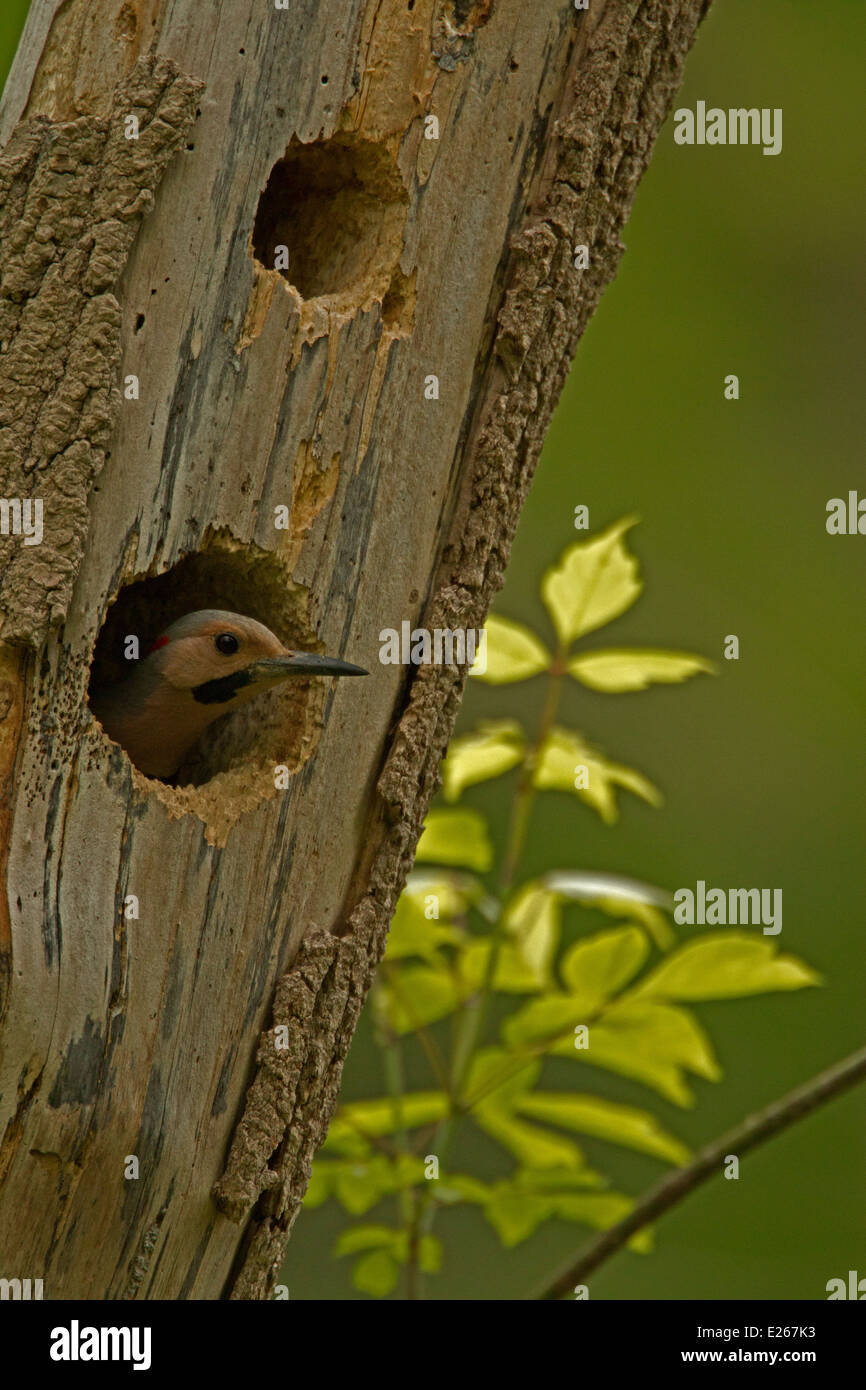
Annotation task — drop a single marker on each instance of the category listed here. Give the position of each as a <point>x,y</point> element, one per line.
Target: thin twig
<point>753,1131</point>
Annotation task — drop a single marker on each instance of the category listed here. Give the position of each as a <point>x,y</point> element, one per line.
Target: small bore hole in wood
<point>126,23</point>
<point>465,16</point>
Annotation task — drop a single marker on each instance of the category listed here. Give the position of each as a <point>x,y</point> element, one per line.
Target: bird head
<point>199,668</point>
<point>226,659</point>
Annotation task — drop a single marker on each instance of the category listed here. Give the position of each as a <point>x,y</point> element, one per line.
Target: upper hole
<point>335,209</point>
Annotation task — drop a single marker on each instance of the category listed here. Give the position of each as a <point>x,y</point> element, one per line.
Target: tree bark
<point>150,259</point>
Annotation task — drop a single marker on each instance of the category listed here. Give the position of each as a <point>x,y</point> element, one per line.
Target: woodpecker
<point>199,668</point>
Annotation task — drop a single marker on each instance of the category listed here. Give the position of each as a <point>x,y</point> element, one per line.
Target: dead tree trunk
<point>333,448</point>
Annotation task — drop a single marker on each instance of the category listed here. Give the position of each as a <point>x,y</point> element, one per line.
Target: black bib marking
<point>220,691</point>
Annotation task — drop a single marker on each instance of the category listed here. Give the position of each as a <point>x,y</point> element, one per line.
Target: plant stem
<point>475,1011</point>
<point>524,797</point>
<point>392,1061</point>
<point>525,794</point>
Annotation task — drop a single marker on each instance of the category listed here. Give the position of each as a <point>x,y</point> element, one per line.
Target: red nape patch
<point>155,646</point>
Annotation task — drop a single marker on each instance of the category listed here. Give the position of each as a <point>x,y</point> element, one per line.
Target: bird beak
<point>268,672</point>
<point>276,668</point>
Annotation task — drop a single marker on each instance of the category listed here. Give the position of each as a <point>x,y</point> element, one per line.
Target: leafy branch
<point>468,932</point>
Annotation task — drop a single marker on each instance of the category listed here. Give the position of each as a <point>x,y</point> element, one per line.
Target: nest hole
<point>336,210</point>
<point>237,754</point>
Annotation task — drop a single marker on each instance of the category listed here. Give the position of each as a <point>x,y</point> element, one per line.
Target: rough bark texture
<point>408,257</point>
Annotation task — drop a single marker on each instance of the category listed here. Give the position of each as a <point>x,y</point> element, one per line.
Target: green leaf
<point>356,1238</point>
<point>412,933</point>
<point>496,747</point>
<point>594,581</point>
<point>455,889</point>
<point>651,919</point>
<point>516,1206</point>
<point>537,1148</point>
<point>594,969</point>
<point>599,966</point>
<point>376,1274</point>
<point>358,1186</point>
<point>621,1124</point>
<point>601,1210</point>
<point>652,1043</point>
<point>564,753</point>
<point>513,653</point>
<point>346,1141</point>
<point>459,1187</point>
<point>628,669</point>
<point>494,1114</point>
<point>420,994</point>
<point>532,923</point>
<point>514,975</point>
<point>533,918</point>
<point>379,1117</point>
<point>359,1183</point>
<point>555,1179</point>
<point>516,1215</point>
<point>456,837</point>
<point>618,896</point>
<point>725,966</point>
<point>596,886</point>
<point>533,1147</point>
<point>559,758</point>
<point>548,1019</point>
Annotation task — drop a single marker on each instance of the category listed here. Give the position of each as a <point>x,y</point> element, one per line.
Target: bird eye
<point>226,643</point>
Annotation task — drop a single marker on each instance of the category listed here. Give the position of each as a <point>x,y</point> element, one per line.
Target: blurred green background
<point>740,263</point>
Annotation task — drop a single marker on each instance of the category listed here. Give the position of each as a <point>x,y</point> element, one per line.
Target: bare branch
<point>754,1130</point>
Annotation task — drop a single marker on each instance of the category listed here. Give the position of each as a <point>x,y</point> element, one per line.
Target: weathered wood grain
<point>142,1036</point>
